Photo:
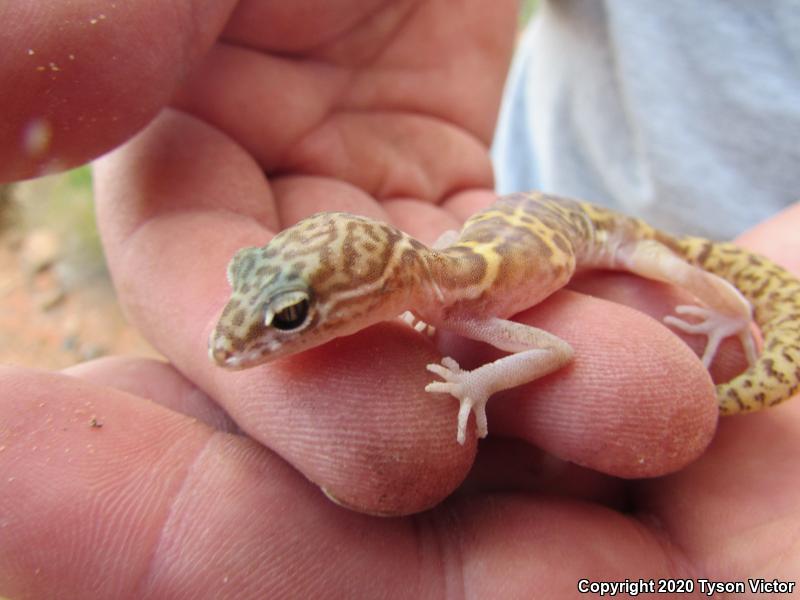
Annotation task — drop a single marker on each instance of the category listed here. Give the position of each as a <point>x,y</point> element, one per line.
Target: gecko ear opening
<point>289,311</point>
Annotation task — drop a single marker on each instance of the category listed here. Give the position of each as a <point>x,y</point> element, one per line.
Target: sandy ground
<point>50,319</point>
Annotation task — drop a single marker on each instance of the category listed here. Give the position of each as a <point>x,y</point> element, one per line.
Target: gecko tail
<point>774,294</point>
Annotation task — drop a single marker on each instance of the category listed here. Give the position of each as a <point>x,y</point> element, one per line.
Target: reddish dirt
<point>46,325</point>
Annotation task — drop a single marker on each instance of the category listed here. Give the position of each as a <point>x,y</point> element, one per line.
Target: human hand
<point>375,440</point>
<point>106,494</point>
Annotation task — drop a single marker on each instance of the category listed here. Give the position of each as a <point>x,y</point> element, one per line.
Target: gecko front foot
<point>466,389</point>
<point>716,327</point>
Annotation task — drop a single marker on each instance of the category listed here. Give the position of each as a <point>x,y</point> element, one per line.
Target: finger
<point>660,300</point>
<point>354,417</point>
<point>131,507</point>
<point>393,155</point>
<point>304,195</point>
<point>86,75</point>
<point>635,401</point>
<point>157,381</point>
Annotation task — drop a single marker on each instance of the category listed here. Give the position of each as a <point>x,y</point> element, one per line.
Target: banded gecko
<point>333,274</point>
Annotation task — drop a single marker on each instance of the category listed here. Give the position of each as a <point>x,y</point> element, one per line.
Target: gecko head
<point>272,312</point>
<point>313,282</point>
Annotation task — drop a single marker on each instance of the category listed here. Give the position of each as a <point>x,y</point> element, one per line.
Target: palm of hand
<point>386,112</point>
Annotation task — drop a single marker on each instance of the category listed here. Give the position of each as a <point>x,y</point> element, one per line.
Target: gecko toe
<point>447,370</point>
<point>451,364</point>
<point>441,371</point>
<point>696,311</point>
<point>440,387</point>
<point>749,345</point>
<point>683,325</point>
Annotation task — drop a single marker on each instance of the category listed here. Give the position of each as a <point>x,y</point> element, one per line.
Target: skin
<point>193,465</point>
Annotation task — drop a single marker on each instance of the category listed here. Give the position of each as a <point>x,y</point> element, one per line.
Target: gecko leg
<point>536,353</point>
<point>727,312</point>
<point>448,238</point>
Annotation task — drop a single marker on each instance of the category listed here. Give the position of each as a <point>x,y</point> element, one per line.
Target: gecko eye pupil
<point>291,317</point>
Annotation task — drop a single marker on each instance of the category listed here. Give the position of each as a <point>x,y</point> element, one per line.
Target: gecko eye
<point>289,311</point>
<point>291,317</point>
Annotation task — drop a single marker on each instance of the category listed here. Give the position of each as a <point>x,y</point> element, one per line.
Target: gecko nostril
<point>219,354</point>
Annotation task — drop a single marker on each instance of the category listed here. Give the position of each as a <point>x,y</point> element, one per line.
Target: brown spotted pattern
<point>775,296</point>
<point>500,275</point>
<point>354,271</point>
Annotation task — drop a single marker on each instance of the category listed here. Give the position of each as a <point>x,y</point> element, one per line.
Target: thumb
<point>91,74</point>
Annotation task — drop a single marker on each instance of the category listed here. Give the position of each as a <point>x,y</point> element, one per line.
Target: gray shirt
<point>685,113</point>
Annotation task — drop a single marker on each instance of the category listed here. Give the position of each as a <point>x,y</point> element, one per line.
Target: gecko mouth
<point>223,357</point>
<point>221,353</point>
<point>235,361</point>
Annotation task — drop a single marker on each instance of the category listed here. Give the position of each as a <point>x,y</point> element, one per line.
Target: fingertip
<point>635,402</point>
<point>354,417</point>
<point>73,98</point>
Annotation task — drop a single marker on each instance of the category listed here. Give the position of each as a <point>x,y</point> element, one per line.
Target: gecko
<point>334,273</point>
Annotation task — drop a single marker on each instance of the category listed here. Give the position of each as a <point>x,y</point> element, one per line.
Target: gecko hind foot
<point>460,384</point>
<point>716,327</point>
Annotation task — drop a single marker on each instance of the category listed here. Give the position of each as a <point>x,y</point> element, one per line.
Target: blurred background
<point>57,303</point>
